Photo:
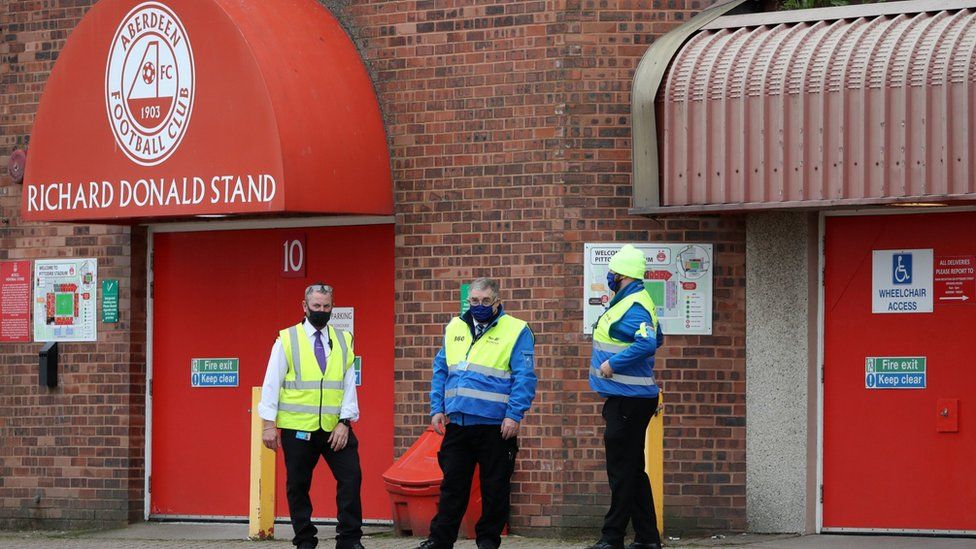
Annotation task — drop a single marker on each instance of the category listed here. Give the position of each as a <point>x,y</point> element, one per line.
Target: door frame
<point>215,225</point>
<point>821,270</point>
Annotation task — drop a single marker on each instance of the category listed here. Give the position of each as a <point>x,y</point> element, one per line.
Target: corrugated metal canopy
<point>858,105</point>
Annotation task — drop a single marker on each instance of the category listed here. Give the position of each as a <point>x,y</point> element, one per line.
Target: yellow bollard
<point>262,505</point>
<point>654,460</point>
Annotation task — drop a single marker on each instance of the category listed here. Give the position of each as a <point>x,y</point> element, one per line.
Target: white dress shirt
<point>278,367</point>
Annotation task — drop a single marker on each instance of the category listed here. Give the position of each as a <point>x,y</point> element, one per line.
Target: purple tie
<point>320,350</point>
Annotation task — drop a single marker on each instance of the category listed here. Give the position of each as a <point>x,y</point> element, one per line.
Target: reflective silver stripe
<point>626,380</point>
<point>609,347</point>
<point>341,336</point>
<point>483,370</point>
<point>474,393</point>
<point>313,385</point>
<point>305,409</point>
<point>296,353</point>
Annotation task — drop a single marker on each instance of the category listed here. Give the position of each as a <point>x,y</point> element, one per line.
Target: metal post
<point>262,503</point>
<point>654,460</point>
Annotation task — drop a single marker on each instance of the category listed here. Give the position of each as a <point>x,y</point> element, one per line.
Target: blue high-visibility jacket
<point>637,360</point>
<point>520,386</point>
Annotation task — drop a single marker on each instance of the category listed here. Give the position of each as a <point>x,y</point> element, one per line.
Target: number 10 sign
<point>293,255</point>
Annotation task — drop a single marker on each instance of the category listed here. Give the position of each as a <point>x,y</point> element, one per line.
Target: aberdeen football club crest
<point>149,83</point>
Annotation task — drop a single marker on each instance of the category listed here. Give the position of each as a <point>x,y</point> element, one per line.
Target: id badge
<point>462,366</point>
<point>303,435</point>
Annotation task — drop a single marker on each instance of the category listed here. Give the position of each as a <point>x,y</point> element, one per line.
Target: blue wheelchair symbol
<point>901,269</point>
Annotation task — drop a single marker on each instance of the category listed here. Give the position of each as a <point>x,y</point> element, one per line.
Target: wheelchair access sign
<point>901,281</point>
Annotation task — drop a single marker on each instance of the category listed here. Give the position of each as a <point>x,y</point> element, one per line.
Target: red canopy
<point>182,108</point>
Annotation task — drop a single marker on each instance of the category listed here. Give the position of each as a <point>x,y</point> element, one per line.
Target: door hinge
<point>152,289</point>
<point>149,489</point>
<point>821,492</point>
<point>150,388</point>
<point>823,371</point>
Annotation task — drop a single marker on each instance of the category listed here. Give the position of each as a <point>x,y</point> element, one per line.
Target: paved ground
<point>200,536</point>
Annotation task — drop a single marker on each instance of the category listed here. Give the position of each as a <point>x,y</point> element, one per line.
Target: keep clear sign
<point>214,372</point>
<point>901,281</point>
<point>894,372</point>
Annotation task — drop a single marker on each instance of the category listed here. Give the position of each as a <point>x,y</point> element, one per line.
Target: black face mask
<point>319,319</point>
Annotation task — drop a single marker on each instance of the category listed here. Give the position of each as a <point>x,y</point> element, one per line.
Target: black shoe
<point>356,545</point>
<point>638,545</point>
<point>486,544</point>
<point>606,545</point>
<point>429,544</point>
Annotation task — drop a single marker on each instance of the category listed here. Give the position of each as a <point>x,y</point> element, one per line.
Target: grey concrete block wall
<point>777,365</point>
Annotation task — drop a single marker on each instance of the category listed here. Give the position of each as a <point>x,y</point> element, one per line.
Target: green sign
<point>357,364</point>
<point>213,372</point>
<point>110,301</point>
<point>208,365</point>
<point>465,289</point>
<point>894,364</point>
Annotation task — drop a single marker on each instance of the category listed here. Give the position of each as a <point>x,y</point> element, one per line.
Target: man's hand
<point>438,421</point>
<point>510,428</point>
<point>606,370</point>
<point>339,437</point>
<point>270,437</point>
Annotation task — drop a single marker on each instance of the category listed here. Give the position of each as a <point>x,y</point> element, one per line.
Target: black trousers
<point>301,457</point>
<point>463,448</point>
<point>631,499</point>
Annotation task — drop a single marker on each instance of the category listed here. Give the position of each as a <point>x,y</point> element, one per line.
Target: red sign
<point>15,286</point>
<point>955,279</point>
<point>180,108</point>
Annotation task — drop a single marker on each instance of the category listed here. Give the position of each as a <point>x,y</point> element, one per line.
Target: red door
<point>891,459</point>
<point>220,294</point>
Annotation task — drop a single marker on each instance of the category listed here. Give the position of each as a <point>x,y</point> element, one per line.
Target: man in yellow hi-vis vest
<point>622,371</point>
<point>483,384</point>
<point>309,394</point>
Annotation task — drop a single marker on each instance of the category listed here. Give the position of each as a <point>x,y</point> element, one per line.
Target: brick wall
<point>71,456</point>
<point>510,134</point>
<point>509,131</point>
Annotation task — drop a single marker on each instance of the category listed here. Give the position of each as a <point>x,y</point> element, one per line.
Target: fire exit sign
<point>896,372</point>
<point>214,372</point>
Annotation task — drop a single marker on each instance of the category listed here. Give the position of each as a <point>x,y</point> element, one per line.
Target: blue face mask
<point>612,282</point>
<point>482,313</point>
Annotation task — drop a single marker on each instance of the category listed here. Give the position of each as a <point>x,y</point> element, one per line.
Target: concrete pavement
<point>157,535</point>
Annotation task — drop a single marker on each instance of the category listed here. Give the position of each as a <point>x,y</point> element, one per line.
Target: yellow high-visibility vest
<point>310,399</point>
<point>479,376</point>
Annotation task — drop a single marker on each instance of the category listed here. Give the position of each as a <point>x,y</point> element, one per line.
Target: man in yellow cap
<point>622,371</point>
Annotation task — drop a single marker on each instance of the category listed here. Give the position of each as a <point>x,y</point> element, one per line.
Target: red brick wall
<point>71,456</point>
<point>510,138</point>
<point>510,135</point>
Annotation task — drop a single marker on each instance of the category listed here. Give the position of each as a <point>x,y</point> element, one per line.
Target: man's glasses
<point>487,302</point>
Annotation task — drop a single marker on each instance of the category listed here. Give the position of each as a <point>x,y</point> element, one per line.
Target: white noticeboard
<point>65,304</point>
<point>678,277</point>
<point>901,281</point>
<point>343,318</point>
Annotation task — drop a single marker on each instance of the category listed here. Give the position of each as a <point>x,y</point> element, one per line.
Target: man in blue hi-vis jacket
<point>483,384</point>
<point>622,371</point>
